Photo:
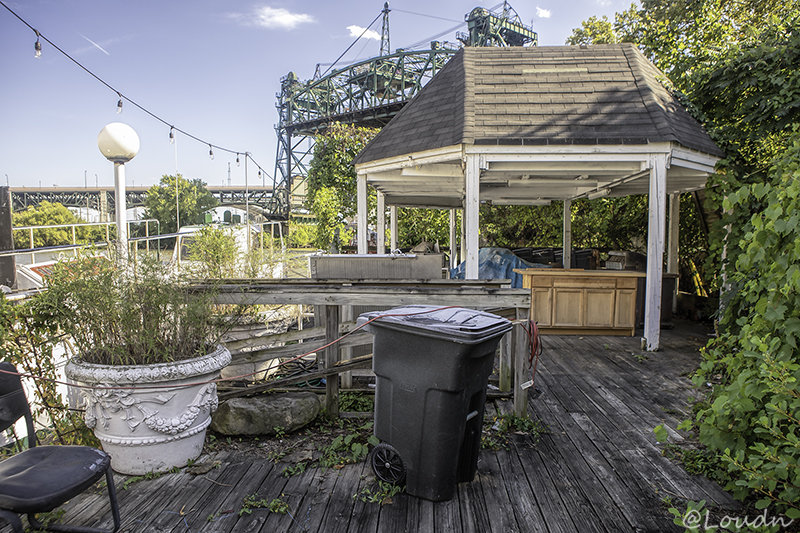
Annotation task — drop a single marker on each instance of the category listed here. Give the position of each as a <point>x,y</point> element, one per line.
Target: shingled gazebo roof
<point>527,126</point>
<point>606,94</point>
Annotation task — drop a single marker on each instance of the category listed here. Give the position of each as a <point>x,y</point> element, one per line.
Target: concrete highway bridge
<point>102,198</point>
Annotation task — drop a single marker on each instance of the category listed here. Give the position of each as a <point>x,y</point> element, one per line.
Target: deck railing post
<point>347,353</point>
<point>506,363</point>
<point>331,358</point>
<point>520,344</point>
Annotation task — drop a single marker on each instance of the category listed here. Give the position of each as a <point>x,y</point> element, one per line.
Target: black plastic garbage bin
<point>431,365</point>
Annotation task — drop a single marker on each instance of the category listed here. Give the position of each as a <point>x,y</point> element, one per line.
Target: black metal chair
<point>41,478</point>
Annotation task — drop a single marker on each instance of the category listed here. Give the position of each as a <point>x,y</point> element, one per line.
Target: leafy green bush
<point>130,314</point>
<point>214,253</point>
<point>28,338</point>
<point>301,235</point>
<point>754,418</point>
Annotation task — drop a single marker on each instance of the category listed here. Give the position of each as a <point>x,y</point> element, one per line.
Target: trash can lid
<point>458,323</point>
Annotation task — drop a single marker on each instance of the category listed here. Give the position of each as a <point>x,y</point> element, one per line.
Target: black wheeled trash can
<point>432,365</point>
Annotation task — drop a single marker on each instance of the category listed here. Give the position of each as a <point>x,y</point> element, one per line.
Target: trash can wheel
<point>387,464</point>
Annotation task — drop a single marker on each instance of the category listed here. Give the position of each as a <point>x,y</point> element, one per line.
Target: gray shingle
<point>607,94</point>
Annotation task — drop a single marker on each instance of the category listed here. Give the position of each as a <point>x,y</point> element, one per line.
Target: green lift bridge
<point>369,93</point>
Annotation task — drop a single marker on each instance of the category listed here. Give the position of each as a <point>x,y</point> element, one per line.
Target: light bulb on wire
<point>37,47</point>
<point>210,152</point>
<point>119,105</point>
<point>237,159</point>
<point>171,136</point>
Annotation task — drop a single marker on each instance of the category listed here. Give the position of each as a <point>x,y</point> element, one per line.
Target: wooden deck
<point>599,469</point>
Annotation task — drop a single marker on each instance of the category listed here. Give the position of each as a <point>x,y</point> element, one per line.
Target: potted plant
<point>147,347</point>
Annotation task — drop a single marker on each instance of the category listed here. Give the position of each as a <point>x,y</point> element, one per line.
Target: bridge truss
<point>102,198</point>
<point>369,93</point>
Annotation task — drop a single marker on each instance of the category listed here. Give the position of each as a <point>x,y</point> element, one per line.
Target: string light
<point>37,47</point>
<point>237,159</point>
<point>171,136</point>
<point>210,152</point>
<point>119,104</point>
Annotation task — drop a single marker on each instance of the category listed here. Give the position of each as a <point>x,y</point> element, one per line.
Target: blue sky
<point>209,67</point>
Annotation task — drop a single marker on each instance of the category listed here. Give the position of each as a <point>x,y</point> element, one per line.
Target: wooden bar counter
<point>582,302</point>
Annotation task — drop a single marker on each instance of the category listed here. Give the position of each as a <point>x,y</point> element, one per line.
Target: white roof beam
<point>435,170</point>
<point>575,167</point>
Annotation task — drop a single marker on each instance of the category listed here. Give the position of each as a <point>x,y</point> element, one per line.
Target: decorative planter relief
<point>150,430</point>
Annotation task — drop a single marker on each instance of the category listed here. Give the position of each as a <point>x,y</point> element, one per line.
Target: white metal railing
<point>32,250</point>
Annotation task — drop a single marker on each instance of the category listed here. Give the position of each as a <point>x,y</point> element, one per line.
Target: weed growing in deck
<point>497,429</point>
<point>381,494</point>
<point>252,502</point>
<point>336,444</point>
<point>148,477</point>
<point>357,402</point>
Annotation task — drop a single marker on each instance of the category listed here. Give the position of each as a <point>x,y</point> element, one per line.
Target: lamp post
<point>119,144</point>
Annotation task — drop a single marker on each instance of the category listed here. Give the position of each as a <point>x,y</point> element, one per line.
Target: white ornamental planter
<point>150,430</point>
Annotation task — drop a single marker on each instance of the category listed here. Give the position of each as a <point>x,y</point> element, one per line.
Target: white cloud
<point>102,45</point>
<point>542,13</point>
<point>272,18</point>
<point>355,31</point>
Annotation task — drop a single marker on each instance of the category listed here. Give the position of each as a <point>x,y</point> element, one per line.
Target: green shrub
<point>754,417</point>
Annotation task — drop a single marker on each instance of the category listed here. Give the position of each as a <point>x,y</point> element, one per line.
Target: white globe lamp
<point>119,144</point>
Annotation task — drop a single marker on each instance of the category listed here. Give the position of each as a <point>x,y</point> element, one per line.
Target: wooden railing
<point>332,294</point>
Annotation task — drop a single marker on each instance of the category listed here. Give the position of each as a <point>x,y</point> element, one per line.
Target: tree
<point>624,29</point>
<point>52,214</point>
<point>332,178</point>
<point>613,223</point>
<point>417,225</point>
<point>194,201</point>
<point>594,31</point>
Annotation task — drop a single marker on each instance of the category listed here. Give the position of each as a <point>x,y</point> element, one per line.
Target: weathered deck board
<point>599,469</point>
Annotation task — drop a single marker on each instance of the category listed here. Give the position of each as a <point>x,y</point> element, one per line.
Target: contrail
<point>94,43</point>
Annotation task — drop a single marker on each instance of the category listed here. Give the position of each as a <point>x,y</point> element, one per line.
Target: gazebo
<point>528,126</point>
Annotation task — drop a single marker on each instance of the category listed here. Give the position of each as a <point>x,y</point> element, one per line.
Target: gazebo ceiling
<point>535,177</point>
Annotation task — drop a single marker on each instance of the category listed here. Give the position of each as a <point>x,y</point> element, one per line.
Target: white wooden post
<point>381,241</point>
<point>462,247</point>
<point>346,353</point>
<point>655,250</point>
<point>393,227</point>
<point>567,240</point>
<point>673,257</point>
<point>471,212</point>
<point>361,193</point>
<point>453,241</point>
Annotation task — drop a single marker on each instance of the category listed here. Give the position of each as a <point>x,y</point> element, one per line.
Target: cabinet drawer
<point>584,283</point>
<point>542,281</point>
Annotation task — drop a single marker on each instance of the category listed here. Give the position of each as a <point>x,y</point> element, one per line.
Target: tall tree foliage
<point>52,214</point>
<point>194,201</point>
<point>754,418</point>
<point>332,179</point>
<point>332,193</point>
<point>613,223</point>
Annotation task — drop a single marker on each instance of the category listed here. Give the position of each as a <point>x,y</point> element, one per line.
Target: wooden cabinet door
<point>625,315</point>
<point>568,307</point>
<point>600,307</point>
<point>542,306</point>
